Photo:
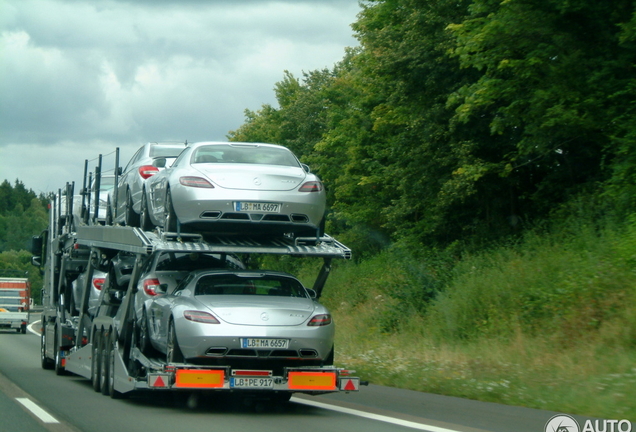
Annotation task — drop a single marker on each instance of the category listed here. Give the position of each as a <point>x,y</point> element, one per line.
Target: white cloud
<point>80,78</point>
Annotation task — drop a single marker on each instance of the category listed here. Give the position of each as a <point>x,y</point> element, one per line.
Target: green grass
<point>548,322</point>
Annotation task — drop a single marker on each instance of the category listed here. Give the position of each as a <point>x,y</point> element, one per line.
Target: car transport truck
<point>103,345</point>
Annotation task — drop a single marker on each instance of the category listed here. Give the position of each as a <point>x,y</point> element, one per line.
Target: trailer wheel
<point>143,343</point>
<point>59,369</point>
<point>23,329</point>
<point>47,363</point>
<point>104,350</point>
<point>173,352</point>
<point>112,355</point>
<point>96,362</point>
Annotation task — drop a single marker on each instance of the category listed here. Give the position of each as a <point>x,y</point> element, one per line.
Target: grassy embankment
<point>549,322</point>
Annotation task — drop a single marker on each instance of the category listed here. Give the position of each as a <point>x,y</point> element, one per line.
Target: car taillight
<point>195,182</point>
<point>151,285</point>
<point>98,283</point>
<point>312,186</point>
<point>201,317</point>
<point>320,320</point>
<point>147,171</point>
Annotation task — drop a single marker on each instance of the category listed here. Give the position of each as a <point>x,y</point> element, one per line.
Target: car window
<point>260,155</point>
<point>133,160</point>
<point>188,262</point>
<point>166,151</point>
<point>232,284</point>
<point>184,154</point>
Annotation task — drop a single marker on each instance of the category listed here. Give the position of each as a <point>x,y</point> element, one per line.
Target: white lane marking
<point>30,327</point>
<point>372,416</point>
<point>37,411</point>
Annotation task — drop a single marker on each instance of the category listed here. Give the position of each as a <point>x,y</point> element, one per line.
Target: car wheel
<point>328,361</point>
<point>170,222</point>
<point>96,362</point>
<point>143,341</point>
<point>144,218</point>
<point>131,218</point>
<point>110,372</point>
<point>173,352</point>
<point>47,363</point>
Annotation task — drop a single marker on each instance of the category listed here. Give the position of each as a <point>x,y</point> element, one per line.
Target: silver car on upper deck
<point>237,188</point>
<point>131,185</point>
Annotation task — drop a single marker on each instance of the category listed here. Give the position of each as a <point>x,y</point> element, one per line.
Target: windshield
<point>261,155</point>
<point>263,285</point>
<point>166,151</point>
<point>172,261</point>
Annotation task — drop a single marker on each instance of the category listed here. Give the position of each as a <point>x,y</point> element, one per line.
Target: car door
<point>124,180</point>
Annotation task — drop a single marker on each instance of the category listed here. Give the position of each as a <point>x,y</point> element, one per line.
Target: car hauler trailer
<point>103,347</point>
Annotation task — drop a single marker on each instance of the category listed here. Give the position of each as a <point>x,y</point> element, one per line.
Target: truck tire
<point>46,362</point>
<point>96,362</point>
<point>104,350</point>
<point>173,352</point>
<point>59,369</point>
<point>112,356</point>
<point>23,329</point>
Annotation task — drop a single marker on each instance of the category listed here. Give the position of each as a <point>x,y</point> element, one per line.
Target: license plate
<point>245,382</point>
<point>264,343</point>
<point>243,206</point>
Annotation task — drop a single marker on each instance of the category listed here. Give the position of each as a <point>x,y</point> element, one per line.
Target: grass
<point>548,322</point>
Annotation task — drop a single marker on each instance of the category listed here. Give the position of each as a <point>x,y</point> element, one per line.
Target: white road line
<point>378,417</point>
<point>37,411</point>
<point>30,327</point>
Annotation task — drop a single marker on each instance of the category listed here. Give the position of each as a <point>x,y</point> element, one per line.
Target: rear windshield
<point>166,151</point>
<point>278,286</point>
<point>191,261</point>
<point>245,155</point>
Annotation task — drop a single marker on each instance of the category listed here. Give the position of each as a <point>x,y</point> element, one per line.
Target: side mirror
<point>36,246</point>
<point>36,261</point>
<point>120,171</point>
<point>312,293</point>
<point>306,168</point>
<point>159,163</point>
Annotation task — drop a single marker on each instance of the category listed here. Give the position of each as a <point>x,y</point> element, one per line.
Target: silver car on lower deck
<point>242,318</point>
<point>237,188</point>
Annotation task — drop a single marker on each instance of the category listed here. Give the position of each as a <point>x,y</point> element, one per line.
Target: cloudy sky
<point>79,78</point>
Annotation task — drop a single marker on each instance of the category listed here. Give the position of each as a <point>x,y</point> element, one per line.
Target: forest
<point>479,158</point>
<point>480,161</point>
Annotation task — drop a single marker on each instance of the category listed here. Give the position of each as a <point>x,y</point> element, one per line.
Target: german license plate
<point>264,343</point>
<point>247,382</point>
<point>243,206</point>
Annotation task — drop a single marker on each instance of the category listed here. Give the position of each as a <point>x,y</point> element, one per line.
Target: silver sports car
<point>237,188</point>
<point>241,318</point>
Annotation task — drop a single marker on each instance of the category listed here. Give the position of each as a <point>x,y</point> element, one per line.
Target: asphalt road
<point>37,400</point>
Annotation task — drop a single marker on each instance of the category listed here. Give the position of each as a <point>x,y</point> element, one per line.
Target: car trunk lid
<point>253,177</point>
<point>259,310</point>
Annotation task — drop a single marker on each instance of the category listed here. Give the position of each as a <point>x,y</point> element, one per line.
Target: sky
<point>81,78</point>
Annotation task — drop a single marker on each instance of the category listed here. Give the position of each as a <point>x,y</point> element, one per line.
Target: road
<point>37,400</point>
